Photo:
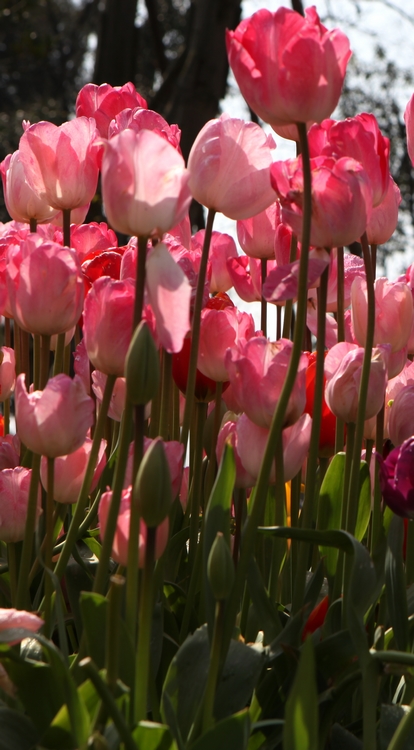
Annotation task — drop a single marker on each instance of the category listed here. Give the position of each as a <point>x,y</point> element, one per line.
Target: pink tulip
<point>257,371</point>
<point>144,183</point>
<point>228,434</point>
<point>251,445</point>
<point>331,326</point>
<point>145,119</point>
<point>341,199</point>
<point>9,452</point>
<point>257,234</point>
<point>393,312</point>
<point>174,452</point>
<point>120,543</point>
<point>53,422</point>
<point>282,282</point>
<point>45,286</point>
<point>358,138</point>
<point>409,124</point>
<point>246,276</point>
<point>353,267</point>
<point>69,472</point>
<point>222,249</point>
<point>289,68</point>
<point>14,498</point>
<point>19,619</point>
<point>401,416</point>
<point>384,217</point>
<point>229,167</point>
<point>343,368</point>
<point>118,396</point>
<point>22,203</point>
<point>107,324</point>
<point>105,102</point>
<point>169,294</point>
<point>90,239</point>
<point>61,163</point>
<point>219,330</point>
<point>7,372</point>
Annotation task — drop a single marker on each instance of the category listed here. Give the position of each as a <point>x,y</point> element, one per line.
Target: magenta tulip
<point>229,167</point>
<point>397,479</point>
<point>53,422</point>
<point>289,67</point>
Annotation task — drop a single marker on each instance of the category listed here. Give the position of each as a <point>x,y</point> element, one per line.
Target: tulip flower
<point>257,234</point>
<point>257,371</point>
<point>14,498</point>
<point>145,119</point>
<point>169,294</point>
<point>384,217</point>
<point>107,324</point>
<point>328,423</point>
<point>228,434</point>
<point>7,372</point>
<point>105,102</point>
<point>144,184</point>
<point>69,472</point>
<point>61,163</point>
<point>19,619</point>
<point>121,538</point>
<point>39,307</point>
<point>343,369</point>
<point>22,203</point>
<point>341,199</point>
<point>219,331</point>
<point>53,422</point>
<point>289,67</point>
<point>401,416</point>
<point>393,312</point>
<point>409,124</point>
<point>222,249</point>
<point>229,167</point>
<point>396,475</point>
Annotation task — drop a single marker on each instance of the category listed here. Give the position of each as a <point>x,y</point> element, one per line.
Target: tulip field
<point>206,535</point>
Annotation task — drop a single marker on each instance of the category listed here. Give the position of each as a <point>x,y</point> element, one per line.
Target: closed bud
<point>142,369</point>
<point>220,568</point>
<point>152,489</point>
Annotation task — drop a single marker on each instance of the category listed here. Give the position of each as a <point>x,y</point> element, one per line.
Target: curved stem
<point>195,330</point>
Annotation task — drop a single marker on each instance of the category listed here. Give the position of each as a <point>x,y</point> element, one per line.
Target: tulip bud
<point>220,568</point>
<point>152,489</point>
<point>142,369</point>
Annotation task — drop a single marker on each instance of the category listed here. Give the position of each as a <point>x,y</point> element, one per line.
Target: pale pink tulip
<point>14,498</point>
<point>289,67</point>
<point>343,369</point>
<point>144,183</point>
<point>169,294</point>
<point>19,619</point>
<point>341,199</point>
<point>62,163</point>
<point>69,472</point>
<point>219,330</point>
<point>107,324</point>
<point>105,102</point>
<point>252,440</point>
<point>229,167</point>
<point>257,234</point>
<point>393,312</point>
<point>22,203</point>
<point>7,372</point>
<point>257,371</point>
<point>53,422</point>
<point>121,538</point>
<point>45,286</point>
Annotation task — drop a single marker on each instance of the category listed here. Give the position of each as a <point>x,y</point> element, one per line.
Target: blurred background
<point>174,52</point>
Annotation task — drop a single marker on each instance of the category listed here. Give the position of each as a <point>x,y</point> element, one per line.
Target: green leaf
<point>187,676</point>
<point>396,591</point>
<point>301,717</point>
<point>330,507</point>
<point>217,518</point>
<point>17,731</point>
<point>151,736</point>
<point>266,611</point>
<point>58,734</point>
<point>364,502</point>
<point>230,733</point>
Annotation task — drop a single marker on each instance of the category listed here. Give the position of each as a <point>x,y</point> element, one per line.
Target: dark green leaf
<point>266,611</point>
<point>301,718</point>
<point>17,731</point>
<point>395,583</point>
<point>232,732</point>
<point>330,507</point>
<point>364,502</point>
<point>151,736</point>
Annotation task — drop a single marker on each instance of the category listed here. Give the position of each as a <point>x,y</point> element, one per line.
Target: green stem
<point>11,559</point>
<point>258,499</point>
<point>213,668</point>
<point>144,632</point>
<point>79,513</point>
<point>212,461</point>
<point>196,487</point>
<point>36,361</point>
<point>44,361</point>
<point>369,704</point>
<point>195,330</point>
<point>340,294</point>
<point>312,464</point>
<point>59,353</point>
<point>166,397</point>
<point>66,227</point>
<point>7,416</point>
<point>263,303</point>
<point>22,596</point>
<point>49,546</point>
<point>134,521</point>
<point>33,225</point>
<point>376,513</point>
<point>287,321</point>
<point>140,280</point>
<point>278,545</point>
